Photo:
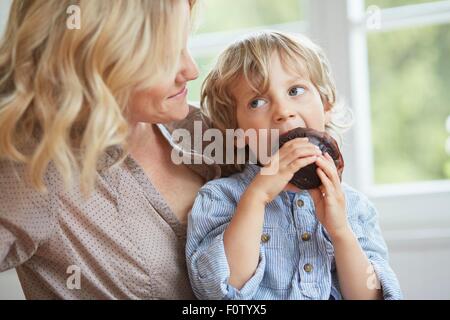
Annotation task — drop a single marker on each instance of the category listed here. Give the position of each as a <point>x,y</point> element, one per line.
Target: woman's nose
<point>188,68</point>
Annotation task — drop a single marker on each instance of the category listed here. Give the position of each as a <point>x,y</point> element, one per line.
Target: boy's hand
<point>293,156</point>
<point>329,198</point>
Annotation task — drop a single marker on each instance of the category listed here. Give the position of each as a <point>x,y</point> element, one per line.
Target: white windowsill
<point>410,189</point>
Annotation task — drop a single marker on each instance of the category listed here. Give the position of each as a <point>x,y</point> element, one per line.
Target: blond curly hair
<point>249,58</point>
<point>67,90</point>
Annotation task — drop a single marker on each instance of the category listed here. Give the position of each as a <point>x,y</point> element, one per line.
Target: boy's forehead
<point>243,87</point>
<point>294,67</point>
<point>280,65</point>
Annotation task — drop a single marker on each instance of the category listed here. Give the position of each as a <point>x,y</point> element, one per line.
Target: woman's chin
<point>179,113</point>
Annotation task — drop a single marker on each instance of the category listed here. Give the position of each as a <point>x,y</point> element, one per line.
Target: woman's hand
<point>329,198</point>
<point>290,158</point>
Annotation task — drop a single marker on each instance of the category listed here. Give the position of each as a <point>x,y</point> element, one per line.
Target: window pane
<point>4,12</point>
<point>395,3</point>
<point>410,99</point>
<point>226,15</point>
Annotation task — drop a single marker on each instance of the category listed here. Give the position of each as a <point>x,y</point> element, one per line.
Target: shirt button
<point>265,238</point>
<point>308,267</point>
<point>306,236</point>
<point>300,203</point>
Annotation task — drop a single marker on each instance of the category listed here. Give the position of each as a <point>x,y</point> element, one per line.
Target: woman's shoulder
<point>21,205</point>
<point>13,173</point>
<point>17,191</point>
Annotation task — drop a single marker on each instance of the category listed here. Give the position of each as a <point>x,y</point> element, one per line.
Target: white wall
<point>421,260</point>
<point>10,288</point>
<point>423,271</point>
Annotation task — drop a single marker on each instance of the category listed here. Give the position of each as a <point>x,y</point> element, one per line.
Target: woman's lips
<point>180,94</point>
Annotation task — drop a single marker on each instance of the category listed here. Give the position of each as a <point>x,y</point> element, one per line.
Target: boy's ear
<point>328,107</point>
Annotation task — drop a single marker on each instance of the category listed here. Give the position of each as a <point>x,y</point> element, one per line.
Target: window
<point>410,101</point>
<point>394,3</point>
<point>4,11</point>
<point>221,15</point>
<point>220,23</point>
<point>409,73</point>
<point>395,76</point>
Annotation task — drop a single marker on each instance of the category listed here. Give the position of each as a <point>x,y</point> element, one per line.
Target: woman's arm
<point>25,217</point>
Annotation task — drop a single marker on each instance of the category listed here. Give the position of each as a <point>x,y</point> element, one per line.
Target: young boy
<point>256,236</point>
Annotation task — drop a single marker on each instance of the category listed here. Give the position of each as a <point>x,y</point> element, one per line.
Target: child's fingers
<point>299,163</point>
<point>329,169</point>
<point>300,149</point>
<point>327,156</point>
<point>307,151</point>
<point>296,141</point>
<point>327,183</point>
<point>287,148</point>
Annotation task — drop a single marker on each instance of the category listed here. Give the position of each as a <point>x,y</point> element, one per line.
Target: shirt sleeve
<point>205,252</point>
<point>25,219</point>
<point>373,244</point>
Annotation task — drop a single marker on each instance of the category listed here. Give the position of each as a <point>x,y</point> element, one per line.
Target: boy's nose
<point>283,114</point>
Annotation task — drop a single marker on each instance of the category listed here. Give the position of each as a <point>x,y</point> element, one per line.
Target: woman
<point>91,205</point>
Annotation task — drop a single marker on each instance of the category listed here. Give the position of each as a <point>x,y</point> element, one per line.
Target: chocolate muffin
<point>307,178</point>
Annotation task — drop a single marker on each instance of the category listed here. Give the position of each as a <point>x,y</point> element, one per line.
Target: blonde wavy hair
<point>250,58</point>
<point>67,91</point>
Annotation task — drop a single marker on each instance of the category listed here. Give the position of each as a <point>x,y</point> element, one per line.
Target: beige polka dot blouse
<point>123,242</point>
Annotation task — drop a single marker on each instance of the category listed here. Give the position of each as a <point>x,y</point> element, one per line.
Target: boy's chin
<point>291,187</point>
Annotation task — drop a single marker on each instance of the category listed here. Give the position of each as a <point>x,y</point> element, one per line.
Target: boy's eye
<point>296,91</point>
<point>257,103</point>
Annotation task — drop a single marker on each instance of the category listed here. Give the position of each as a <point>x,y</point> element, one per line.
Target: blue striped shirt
<point>296,259</point>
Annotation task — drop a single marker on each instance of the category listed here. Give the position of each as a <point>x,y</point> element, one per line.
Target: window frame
<point>418,208</point>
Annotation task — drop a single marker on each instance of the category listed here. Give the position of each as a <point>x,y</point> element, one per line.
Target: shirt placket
<point>306,224</point>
